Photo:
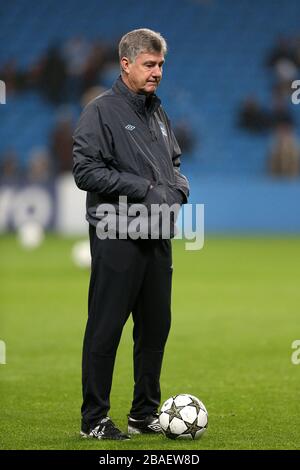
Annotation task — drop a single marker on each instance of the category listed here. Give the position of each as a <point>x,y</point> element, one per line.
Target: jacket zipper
<point>145,155</point>
<point>153,138</point>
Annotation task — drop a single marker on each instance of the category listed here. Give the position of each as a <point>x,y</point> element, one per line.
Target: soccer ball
<point>30,235</point>
<point>81,254</point>
<point>183,417</point>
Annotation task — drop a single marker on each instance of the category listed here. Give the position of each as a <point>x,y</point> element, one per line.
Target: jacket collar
<point>138,101</point>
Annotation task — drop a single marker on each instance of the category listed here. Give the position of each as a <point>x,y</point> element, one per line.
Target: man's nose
<point>157,72</point>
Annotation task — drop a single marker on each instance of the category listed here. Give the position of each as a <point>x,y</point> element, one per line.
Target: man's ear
<point>125,64</point>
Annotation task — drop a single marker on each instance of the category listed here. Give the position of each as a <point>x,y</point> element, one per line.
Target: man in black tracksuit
<point>124,146</point>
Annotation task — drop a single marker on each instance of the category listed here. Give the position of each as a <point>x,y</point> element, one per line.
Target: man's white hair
<point>141,40</point>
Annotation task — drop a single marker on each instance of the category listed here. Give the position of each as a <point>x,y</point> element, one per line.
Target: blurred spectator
<point>9,167</point>
<point>93,66</point>
<point>283,52</point>
<point>283,59</point>
<point>53,76</point>
<point>91,94</point>
<point>185,137</point>
<point>75,53</point>
<point>285,154</point>
<point>39,168</point>
<point>280,113</point>
<point>296,48</point>
<point>34,74</point>
<point>14,79</point>
<point>61,143</point>
<point>63,72</point>
<point>252,117</point>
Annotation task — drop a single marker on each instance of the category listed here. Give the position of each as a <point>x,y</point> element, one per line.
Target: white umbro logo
<point>95,432</point>
<point>155,426</point>
<point>129,127</point>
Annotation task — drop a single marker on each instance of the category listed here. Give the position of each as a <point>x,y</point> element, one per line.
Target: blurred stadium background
<point>227,89</point>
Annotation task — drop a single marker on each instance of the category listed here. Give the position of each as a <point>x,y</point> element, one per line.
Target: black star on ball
<point>174,411</point>
<point>193,428</point>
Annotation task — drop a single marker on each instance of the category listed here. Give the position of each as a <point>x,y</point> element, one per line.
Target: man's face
<point>143,75</point>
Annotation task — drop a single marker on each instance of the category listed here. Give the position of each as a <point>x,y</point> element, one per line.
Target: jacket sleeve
<point>92,159</point>
<point>181,181</point>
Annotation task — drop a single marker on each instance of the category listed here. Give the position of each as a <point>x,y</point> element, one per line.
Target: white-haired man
<point>124,146</point>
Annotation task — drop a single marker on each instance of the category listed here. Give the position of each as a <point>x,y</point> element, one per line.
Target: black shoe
<point>148,425</point>
<point>105,429</point>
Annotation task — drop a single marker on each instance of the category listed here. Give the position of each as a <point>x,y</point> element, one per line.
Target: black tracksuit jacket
<point>123,144</point>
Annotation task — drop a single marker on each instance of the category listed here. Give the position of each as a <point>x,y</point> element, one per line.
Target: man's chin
<point>150,88</point>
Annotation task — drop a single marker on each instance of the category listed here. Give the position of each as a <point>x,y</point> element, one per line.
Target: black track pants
<point>128,276</point>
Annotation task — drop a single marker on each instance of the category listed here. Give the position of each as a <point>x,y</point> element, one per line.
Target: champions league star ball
<point>183,417</point>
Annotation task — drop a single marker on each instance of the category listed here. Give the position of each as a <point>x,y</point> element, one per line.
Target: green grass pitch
<point>235,315</point>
